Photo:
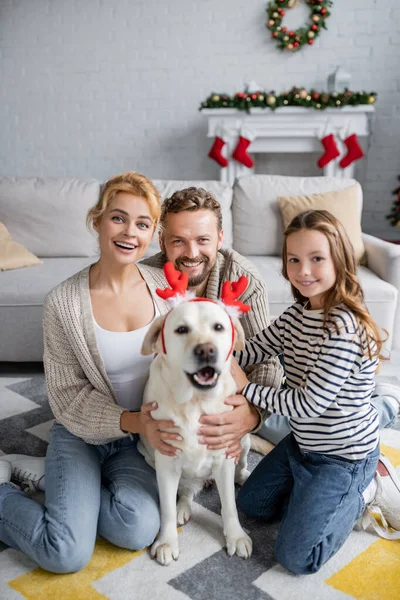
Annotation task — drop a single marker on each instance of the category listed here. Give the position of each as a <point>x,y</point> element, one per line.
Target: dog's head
<point>196,339</point>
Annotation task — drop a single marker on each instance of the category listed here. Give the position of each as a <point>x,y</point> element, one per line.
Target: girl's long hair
<point>347,289</point>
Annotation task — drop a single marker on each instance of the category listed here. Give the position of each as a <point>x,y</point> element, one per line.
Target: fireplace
<point>288,129</point>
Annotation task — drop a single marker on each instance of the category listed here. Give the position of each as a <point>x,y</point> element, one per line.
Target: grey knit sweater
<point>231,265</point>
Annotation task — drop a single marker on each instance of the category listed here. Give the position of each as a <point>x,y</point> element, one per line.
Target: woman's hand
<point>239,376</point>
<point>227,429</point>
<point>153,430</point>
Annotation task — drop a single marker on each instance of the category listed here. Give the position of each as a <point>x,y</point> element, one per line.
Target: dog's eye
<point>182,329</point>
<point>218,327</point>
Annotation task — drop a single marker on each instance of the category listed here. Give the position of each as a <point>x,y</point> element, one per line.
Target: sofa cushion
<point>48,215</point>
<point>257,222</point>
<point>13,255</point>
<point>21,305</point>
<point>221,191</point>
<point>343,204</point>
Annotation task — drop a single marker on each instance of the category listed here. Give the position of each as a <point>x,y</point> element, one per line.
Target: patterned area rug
<point>366,568</point>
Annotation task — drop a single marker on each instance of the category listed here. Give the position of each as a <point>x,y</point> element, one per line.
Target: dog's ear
<point>152,342</point>
<point>239,336</point>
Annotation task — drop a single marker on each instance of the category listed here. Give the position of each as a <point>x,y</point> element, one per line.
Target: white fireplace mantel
<point>288,129</point>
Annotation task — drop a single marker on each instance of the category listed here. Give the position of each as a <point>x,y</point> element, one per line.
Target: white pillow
<point>48,215</point>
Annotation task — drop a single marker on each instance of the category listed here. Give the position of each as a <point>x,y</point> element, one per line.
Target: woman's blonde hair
<point>132,183</point>
<point>347,289</point>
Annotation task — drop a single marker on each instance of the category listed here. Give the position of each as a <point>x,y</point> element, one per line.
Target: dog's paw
<point>241,476</point>
<point>165,552</point>
<point>183,512</point>
<point>242,546</point>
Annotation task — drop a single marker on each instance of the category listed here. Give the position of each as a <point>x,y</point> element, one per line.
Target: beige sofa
<point>47,216</point>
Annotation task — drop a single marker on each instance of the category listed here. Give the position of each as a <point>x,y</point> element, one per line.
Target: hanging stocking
<point>331,150</point>
<point>354,151</point>
<point>216,149</point>
<point>240,152</point>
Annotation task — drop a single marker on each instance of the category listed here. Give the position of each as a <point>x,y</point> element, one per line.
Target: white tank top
<point>126,368</point>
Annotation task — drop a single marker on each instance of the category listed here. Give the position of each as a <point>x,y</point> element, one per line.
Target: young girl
<point>319,478</point>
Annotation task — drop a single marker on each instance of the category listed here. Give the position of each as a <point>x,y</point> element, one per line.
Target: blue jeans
<point>317,497</point>
<point>107,489</point>
<point>276,427</point>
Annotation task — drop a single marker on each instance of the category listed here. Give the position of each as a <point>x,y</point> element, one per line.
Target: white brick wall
<point>94,87</point>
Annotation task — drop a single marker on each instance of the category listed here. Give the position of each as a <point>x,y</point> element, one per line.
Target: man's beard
<point>199,279</point>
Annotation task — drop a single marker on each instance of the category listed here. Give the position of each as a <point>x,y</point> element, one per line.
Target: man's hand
<point>154,432</point>
<point>225,430</point>
<point>239,376</point>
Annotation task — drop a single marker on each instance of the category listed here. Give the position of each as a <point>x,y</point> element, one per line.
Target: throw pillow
<point>13,255</point>
<point>343,204</point>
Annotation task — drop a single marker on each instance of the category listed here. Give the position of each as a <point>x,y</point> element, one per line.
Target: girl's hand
<point>154,431</point>
<point>239,376</point>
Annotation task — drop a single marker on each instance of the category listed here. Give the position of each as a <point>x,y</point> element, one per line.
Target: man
<point>191,236</point>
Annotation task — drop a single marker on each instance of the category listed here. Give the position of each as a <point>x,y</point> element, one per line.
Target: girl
<point>94,324</point>
<point>319,478</point>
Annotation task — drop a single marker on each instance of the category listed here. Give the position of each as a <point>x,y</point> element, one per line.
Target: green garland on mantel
<point>295,97</point>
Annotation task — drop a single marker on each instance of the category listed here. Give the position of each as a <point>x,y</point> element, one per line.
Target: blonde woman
<point>94,324</point>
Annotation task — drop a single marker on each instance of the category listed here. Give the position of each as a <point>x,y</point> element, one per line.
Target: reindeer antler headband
<point>179,282</point>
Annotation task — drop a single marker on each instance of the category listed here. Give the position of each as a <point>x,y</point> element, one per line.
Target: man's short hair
<point>192,199</point>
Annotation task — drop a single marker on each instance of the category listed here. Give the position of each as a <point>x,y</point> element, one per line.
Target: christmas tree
<point>394,216</point>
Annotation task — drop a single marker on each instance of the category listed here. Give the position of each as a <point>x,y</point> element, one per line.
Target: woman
<point>94,324</point>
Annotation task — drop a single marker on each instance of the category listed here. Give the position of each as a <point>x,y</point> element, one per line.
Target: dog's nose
<point>205,353</point>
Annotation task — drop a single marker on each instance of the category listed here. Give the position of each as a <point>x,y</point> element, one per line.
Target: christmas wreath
<point>294,40</point>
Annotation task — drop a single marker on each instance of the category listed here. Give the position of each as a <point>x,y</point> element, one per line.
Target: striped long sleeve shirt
<point>330,380</point>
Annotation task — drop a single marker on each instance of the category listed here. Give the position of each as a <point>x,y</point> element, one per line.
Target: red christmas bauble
<point>275,34</point>
<point>254,96</point>
<point>310,42</point>
<point>291,32</point>
<point>323,11</point>
<point>315,94</point>
<point>284,29</point>
<point>296,44</point>
<point>314,27</point>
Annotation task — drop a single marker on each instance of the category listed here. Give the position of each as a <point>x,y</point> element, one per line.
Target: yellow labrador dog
<point>189,377</point>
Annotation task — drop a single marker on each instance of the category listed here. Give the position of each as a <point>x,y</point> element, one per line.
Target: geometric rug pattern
<point>366,567</point>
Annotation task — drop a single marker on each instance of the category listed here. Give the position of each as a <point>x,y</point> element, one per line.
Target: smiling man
<point>191,236</point>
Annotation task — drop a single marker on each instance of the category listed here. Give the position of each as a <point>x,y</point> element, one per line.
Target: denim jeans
<point>276,427</point>
<point>107,489</point>
<point>317,497</point>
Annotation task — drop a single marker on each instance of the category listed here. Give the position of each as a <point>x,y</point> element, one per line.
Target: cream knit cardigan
<point>79,391</point>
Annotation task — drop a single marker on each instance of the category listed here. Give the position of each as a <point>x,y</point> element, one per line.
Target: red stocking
<point>240,152</point>
<point>354,151</point>
<point>331,150</point>
<point>215,152</point>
